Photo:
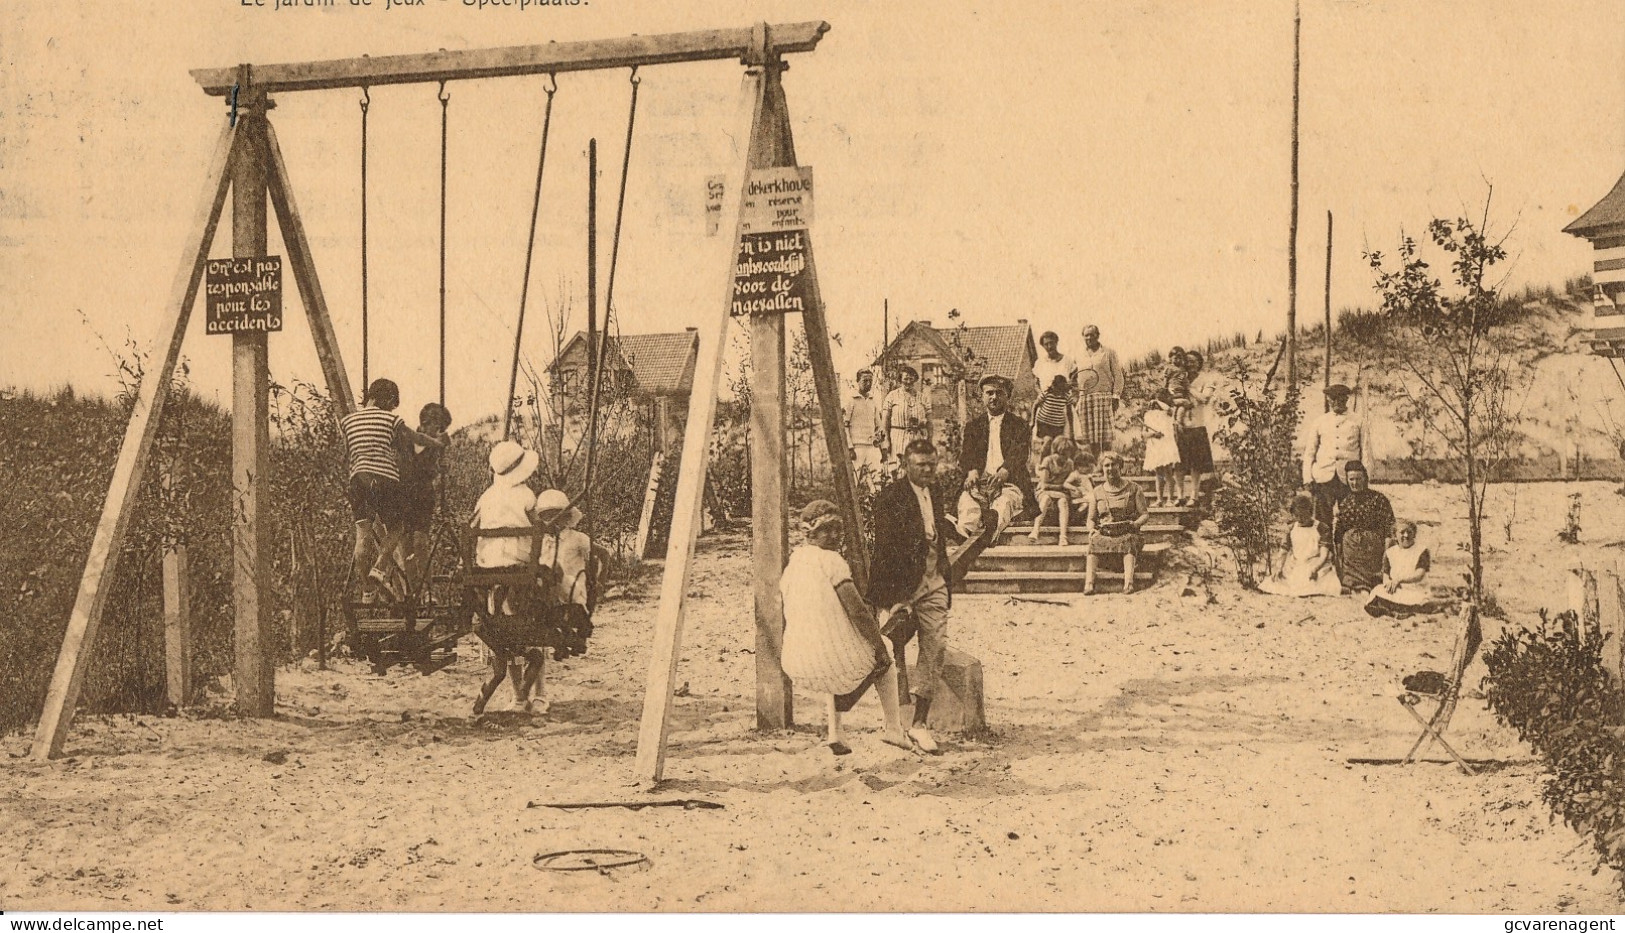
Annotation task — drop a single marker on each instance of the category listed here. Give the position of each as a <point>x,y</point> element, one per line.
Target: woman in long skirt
<point>1361,529</point>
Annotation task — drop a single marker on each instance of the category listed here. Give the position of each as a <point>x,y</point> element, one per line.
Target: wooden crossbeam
<point>553,57</point>
<point>102,562</point>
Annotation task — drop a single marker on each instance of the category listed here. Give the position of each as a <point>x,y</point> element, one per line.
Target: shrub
<point>1550,686</point>
<point>1251,498</point>
<point>56,460</point>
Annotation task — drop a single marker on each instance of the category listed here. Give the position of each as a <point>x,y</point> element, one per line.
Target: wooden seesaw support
<point>247,162</point>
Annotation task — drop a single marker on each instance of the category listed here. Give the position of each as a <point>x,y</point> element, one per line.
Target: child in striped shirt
<point>373,438</point>
<point>1052,413</point>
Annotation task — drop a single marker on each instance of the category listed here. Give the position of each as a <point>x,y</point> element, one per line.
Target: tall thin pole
<point>366,101</point>
<point>1327,381</point>
<point>1292,238</point>
<point>445,100</point>
<point>885,324</point>
<point>592,324</point>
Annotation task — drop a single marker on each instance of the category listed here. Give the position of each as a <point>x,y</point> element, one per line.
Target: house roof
<point>1007,348</point>
<point>1004,349</point>
<point>661,364</point>
<point>1609,212</point>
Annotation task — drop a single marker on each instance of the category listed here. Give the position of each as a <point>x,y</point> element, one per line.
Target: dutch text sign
<point>770,275</point>
<point>243,295</point>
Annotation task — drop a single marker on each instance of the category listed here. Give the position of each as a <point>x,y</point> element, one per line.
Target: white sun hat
<point>512,463</point>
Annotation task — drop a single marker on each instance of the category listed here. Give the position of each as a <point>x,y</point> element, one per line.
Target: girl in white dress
<point>1161,450</point>
<point>832,643</point>
<point>1307,568</point>
<point>1405,566</point>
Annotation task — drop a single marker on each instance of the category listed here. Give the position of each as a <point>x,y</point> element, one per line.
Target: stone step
<point>988,581</point>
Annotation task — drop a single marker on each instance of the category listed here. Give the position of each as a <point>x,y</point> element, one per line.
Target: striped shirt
<point>1052,410</point>
<point>369,439</point>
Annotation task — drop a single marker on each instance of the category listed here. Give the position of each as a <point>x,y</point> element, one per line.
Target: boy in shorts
<point>420,489</point>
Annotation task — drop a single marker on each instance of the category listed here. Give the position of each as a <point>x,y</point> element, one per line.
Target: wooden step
<point>1016,535</point>
<point>988,581</point>
<point>1025,556</point>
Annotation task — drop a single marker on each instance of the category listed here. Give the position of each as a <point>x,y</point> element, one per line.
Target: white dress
<point>503,506</point>
<point>1402,562</point>
<point>823,651</point>
<point>1160,451</point>
<point>1305,554</point>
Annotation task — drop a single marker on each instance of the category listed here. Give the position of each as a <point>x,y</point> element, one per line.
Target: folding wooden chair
<point>1443,690</point>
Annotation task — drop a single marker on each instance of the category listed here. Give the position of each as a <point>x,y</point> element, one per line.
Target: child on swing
<point>832,643</point>
<point>373,438</point>
<point>420,490</point>
<point>506,503</point>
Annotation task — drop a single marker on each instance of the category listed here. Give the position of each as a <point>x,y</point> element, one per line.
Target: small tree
<point>1259,433</point>
<point>1443,338</point>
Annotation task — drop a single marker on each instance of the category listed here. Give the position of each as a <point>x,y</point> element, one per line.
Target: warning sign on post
<point>243,295</point>
<point>770,274</point>
<point>775,199</point>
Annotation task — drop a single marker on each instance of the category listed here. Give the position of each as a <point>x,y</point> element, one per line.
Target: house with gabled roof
<point>951,360</point>
<point>655,370</point>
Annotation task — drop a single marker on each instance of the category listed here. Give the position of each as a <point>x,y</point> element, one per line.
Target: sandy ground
<point>1150,754</point>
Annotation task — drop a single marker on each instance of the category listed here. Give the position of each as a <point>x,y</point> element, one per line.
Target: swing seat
<point>535,622</point>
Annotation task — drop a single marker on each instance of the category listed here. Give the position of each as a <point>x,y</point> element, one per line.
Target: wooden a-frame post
<point>770,145</point>
<point>252,673</point>
<point>247,163</point>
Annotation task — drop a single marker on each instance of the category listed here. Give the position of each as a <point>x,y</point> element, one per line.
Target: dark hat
<point>1338,390</point>
<point>905,368</point>
<point>997,380</point>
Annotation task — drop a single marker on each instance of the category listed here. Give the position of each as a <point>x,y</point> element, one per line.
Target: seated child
<point>507,503</point>
<point>1078,487</point>
<point>420,490</point>
<point>1053,495</point>
<point>832,643</point>
<point>1306,568</point>
<point>1404,566</point>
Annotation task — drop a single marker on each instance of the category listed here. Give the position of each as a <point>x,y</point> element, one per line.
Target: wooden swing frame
<point>247,163</point>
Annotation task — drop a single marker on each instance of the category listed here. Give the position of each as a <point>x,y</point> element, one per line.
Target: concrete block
<point>956,700</point>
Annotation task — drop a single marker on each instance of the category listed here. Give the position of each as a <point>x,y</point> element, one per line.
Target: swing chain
<point>443,96</point>
<point>552,84</point>
<point>634,78</point>
<point>366,98</point>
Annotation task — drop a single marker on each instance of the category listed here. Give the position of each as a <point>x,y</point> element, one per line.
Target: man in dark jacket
<point>994,456</point>
<point>908,578</point>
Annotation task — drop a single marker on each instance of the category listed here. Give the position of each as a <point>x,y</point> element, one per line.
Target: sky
<point>1118,163</point>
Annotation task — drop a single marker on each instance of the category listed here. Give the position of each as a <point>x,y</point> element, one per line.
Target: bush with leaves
<point>56,460</point>
<point>309,518</point>
<point>1550,686</point>
<point>1250,501</point>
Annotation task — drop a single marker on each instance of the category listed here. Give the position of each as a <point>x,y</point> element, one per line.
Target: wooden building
<point>951,360</point>
<point>1604,226</point>
<point>653,370</point>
